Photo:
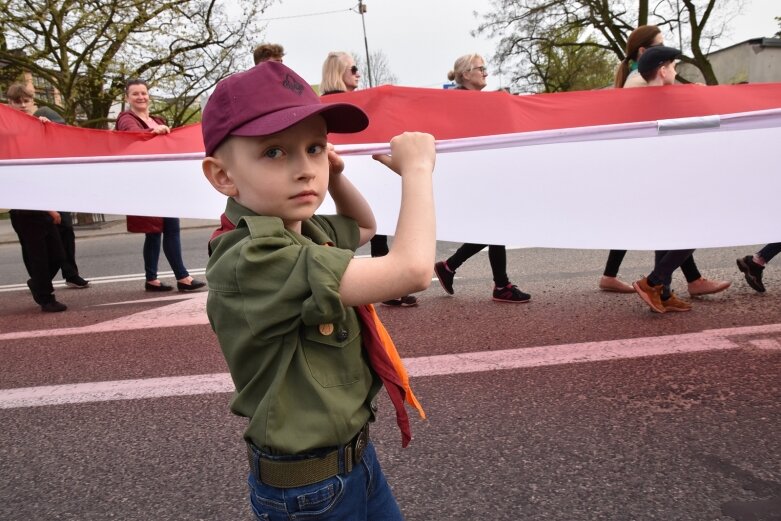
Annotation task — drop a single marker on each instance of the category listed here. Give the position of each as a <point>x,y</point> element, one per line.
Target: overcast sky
<point>421,38</point>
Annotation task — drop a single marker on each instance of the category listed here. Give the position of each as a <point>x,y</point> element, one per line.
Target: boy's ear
<point>215,171</point>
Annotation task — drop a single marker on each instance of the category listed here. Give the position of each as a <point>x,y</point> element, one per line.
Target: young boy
<point>38,231</point>
<point>657,67</point>
<point>287,299</point>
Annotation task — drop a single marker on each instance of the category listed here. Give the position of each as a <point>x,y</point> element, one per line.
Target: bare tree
<point>87,49</point>
<point>525,27</point>
<point>381,72</point>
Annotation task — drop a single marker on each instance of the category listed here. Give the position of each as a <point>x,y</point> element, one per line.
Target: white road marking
<point>102,280</point>
<point>765,343</point>
<point>189,309</point>
<point>708,340</point>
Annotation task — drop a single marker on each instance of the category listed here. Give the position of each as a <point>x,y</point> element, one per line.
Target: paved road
<point>577,406</point>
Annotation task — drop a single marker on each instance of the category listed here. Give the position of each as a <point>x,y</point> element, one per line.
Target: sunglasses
<point>354,69</point>
<point>482,69</point>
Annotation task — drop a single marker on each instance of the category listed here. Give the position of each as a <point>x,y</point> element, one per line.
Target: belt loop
<point>348,458</point>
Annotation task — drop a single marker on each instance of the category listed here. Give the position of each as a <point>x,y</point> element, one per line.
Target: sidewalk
<point>114,225</point>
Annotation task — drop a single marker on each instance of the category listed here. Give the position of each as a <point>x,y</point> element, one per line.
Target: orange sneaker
<point>675,304</point>
<point>651,295</point>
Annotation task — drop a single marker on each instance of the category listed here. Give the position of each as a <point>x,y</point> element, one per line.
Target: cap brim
<point>339,117</point>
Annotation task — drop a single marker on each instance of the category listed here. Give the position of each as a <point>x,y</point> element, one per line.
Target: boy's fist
<point>410,151</point>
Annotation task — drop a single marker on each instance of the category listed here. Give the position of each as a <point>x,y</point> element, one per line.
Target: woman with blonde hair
<point>340,74</point>
<point>627,76</point>
<point>470,73</point>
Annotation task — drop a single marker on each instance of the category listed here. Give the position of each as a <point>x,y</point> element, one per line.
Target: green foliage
<point>533,36</point>
<point>87,49</point>
<point>568,63</point>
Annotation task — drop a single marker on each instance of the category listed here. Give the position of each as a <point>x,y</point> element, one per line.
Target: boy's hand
<point>335,163</point>
<point>410,150</point>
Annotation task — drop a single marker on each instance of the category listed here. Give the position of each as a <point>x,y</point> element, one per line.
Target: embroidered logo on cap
<point>291,83</point>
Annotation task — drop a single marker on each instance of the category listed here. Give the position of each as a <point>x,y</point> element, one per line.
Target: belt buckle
<point>359,444</point>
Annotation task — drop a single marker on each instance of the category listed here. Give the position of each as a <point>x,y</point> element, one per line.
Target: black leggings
<point>497,256</point>
<point>615,257</point>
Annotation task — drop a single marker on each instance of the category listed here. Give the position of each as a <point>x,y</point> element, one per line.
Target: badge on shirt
<point>326,329</point>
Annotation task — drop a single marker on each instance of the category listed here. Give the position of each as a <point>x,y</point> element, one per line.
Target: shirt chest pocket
<point>333,353</point>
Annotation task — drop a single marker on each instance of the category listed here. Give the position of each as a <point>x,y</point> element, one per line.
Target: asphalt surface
<point>684,436</point>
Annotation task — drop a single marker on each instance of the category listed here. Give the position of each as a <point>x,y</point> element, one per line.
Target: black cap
<point>653,57</point>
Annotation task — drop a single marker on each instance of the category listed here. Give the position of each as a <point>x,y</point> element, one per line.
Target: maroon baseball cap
<point>266,99</point>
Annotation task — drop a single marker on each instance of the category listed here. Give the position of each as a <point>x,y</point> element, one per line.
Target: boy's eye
<point>316,149</point>
<point>273,153</point>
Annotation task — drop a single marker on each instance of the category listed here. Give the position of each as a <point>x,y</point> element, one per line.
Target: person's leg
<point>753,266</point>
<point>462,254</point>
<point>379,245</point>
<point>504,290</point>
<point>699,285</point>
<point>690,270</point>
<point>151,255</point>
<point>497,256</point>
<point>172,247</point>
<point>667,262</point>
<point>767,253</point>
<point>446,270</point>
<point>609,280</point>
<point>651,288</point>
<point>33,230</point>
<point>68,238</point>
<point>614,260</point>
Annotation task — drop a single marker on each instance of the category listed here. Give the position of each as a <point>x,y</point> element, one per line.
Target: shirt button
<point>342,335</point>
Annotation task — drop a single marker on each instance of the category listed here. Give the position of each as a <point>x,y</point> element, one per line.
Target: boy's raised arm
<point>409,265</point>
<point>348,200</point>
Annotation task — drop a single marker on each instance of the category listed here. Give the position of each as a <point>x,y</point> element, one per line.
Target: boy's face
<point>284,174</point>
<point>25,104</point>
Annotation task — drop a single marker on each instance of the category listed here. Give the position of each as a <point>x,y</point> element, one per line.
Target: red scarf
<point>382,353</point>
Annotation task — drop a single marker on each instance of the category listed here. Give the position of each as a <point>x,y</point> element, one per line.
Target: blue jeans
<point>172,248</point>
<point>361,495</point>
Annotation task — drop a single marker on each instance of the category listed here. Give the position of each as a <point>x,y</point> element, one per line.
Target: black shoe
<point>157,287</point>
<point>511,293</point>
<point>76,282</point>
<point>53,307</point>
<point>193,286</point>
<point>445,276</point>
<point>409,301</point>
<point>753,272</point>
<point>406,301</point>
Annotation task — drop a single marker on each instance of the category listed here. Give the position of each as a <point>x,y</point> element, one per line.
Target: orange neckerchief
<point>383,356</point>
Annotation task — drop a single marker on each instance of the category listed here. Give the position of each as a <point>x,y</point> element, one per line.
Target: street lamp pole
<point>362,10</point>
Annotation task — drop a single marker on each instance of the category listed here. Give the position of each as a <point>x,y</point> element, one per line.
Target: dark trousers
<point>665,263</point>
<point>68,239</point>
<point>379,246</point>
<point>172,247</point>
<point>497,256</point>
<point>615,257</point>
<point>770,251</point>
<point>42,251</point>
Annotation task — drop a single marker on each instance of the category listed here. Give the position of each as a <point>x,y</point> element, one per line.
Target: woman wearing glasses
<point>627,77</point>
<point>340,74</point>
<point>469,73</point>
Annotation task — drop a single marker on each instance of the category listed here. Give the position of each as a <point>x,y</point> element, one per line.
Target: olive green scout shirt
<point>293,350</point>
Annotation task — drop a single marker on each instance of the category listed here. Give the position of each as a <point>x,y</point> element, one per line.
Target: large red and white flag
<point>657,168</point>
